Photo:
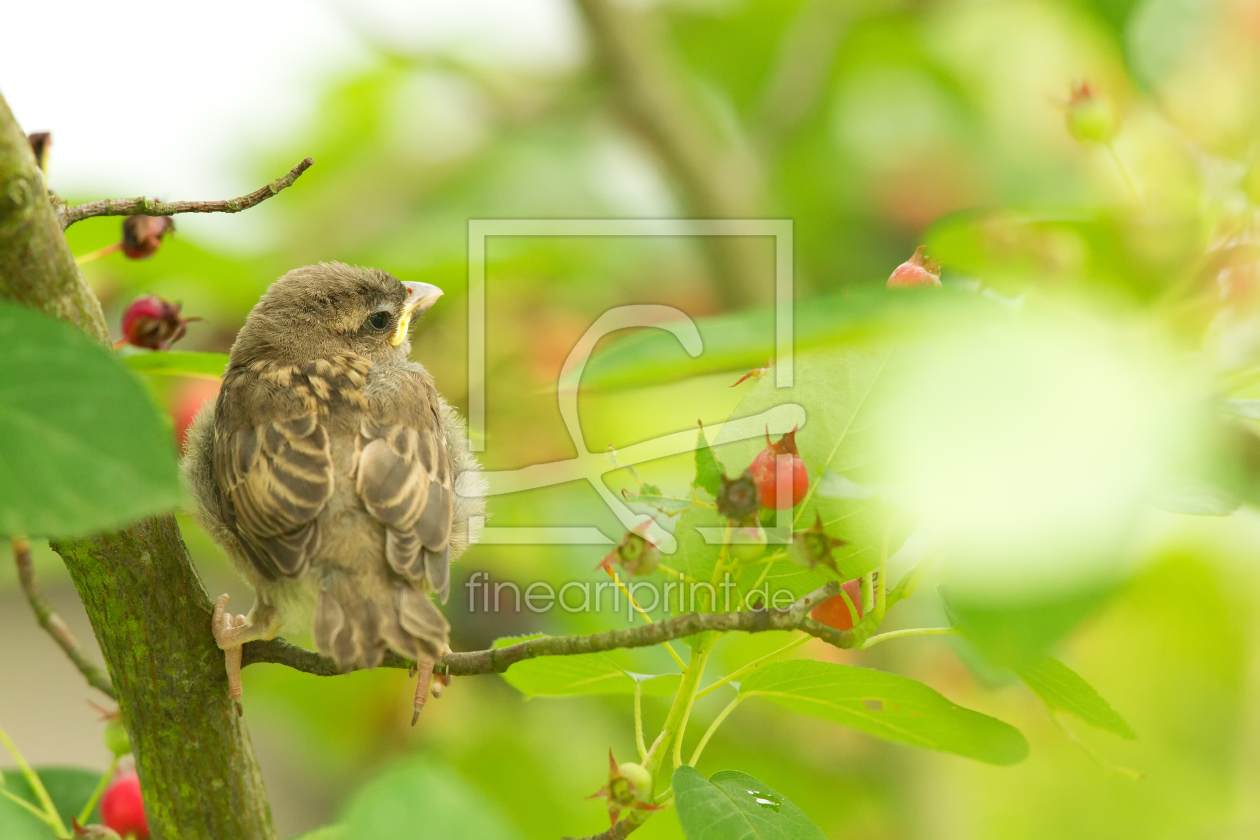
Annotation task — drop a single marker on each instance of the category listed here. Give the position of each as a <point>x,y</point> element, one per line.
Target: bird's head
<point>319,310</point>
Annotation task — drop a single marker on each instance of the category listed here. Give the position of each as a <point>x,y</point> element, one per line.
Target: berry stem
<point>32,779</point>
<point>1124,172</point>
<point>739,672</point>
<point>617,580</point>
<point>98,253</point>
<point>901,634</point>
<point>86,813</point>
<point>717,721</point>
<point>638,721</point>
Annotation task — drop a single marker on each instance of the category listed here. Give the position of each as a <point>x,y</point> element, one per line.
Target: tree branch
<point>142,206</point>
<point>717,175</point>
<point>52,622</point>
<point>498,660</point>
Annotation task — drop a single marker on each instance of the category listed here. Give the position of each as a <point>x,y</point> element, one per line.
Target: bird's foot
<point>426,683</point>
<point>226,628</point>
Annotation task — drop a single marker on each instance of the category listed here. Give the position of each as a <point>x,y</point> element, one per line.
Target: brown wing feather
<point>277,478</point>
<point>403,476</point>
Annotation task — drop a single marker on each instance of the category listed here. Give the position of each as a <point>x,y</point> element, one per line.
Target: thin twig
<point>52,622</point>
<point>619,831</point>
<point>148,207</point>
<point>498,660</point>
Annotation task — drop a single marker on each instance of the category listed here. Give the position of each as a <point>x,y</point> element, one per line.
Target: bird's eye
<point>378,320</point>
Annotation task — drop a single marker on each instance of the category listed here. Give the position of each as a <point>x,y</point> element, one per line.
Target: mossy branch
<point>142,206</point>
<point>498,660</point>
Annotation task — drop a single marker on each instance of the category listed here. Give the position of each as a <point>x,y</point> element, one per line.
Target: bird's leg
<point>231,632</point>
<point>425,683</point>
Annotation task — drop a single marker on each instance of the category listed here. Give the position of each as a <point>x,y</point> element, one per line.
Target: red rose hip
<point>834,612</point>
<point>763,472</point>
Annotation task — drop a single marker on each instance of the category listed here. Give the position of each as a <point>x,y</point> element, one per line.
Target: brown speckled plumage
<point>327,469</point>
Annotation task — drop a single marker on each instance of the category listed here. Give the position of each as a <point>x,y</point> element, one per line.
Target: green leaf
<point>1062,689</point>
<point>735,806</point>
<point>708,471</point>
<point>159,363</point>
<point>69,789</point>
<point>583,673</point>
<point>82,447</point>
<point>887,706</point>
<point>744,340</point>
<point>420,797</point>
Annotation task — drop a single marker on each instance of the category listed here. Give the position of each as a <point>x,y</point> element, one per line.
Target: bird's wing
<point>276,476</point>
<point>403,475</point>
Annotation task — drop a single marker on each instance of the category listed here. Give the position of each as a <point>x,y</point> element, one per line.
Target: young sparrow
<point>331,471</point>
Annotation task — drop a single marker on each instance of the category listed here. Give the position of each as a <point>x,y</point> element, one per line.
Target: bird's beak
<point>420,296</point>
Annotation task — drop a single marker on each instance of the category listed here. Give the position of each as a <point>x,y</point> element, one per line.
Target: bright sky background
<point>172,100</point>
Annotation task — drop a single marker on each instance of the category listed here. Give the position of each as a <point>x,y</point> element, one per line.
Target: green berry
<point>1091,118</point>
<point>116,739</point>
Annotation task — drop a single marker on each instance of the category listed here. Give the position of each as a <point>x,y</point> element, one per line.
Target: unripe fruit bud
<point>764,471</point>
<point>637,554</point>
<point>738,499</point>
<point>919,270</point>
<point>122,806</point>
<point>153,322</point>
<point>638,779</point>
<point>1090,117</point>
<point>116,739</point>
<point>834,612</point>
<point>142,235</point>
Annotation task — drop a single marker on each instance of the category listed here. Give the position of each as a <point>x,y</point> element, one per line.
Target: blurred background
<point>875,126</point>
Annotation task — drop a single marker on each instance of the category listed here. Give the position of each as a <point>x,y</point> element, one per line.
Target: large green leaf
<point>421,798</point>
<point>887,706</point>
<point>583,673</point>
<point>1062,689</point>
<point>735,806</point>
<point>745,340</point>
<point>842,391</point>
<point>82,447</point>
<point>69,789</point>
<point>158,363</point>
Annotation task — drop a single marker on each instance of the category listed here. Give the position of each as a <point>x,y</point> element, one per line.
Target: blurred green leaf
<point>1063,689</point>
<point>82,447</point>
<point>735,806</point>
<point>655,498</point>
<point>583,673</point>
<point>743,340</point>
<point>422,798</point>
<point>708,471</point>
<point>69,789</point>
<point>157,363</point>
<point>887,706</point>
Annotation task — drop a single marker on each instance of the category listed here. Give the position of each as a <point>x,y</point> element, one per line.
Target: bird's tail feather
<point>356,620</point>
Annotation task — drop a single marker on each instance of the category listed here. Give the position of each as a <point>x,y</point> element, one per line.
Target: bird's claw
<point>222,624</point>
<point>426,684</point>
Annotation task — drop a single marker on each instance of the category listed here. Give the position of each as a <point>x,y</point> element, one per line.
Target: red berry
<point>834,612</point>
<point>142,235</point>
<point>919,270</point>
<point>763,473</point>
<point>122,807</point>
<point>153,323</point>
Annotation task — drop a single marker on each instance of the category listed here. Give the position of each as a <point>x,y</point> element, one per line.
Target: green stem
<point>680,707</point>
<point>1124,172</point>
<point>704,647</point>
<point>868,593</point>
<point>86,813</point>
<point>739,672</point>
<point>638,720</point>
<point>32,779</point>
<point>44,818</point>
<point>901,634</point>
<point>717,721</point>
